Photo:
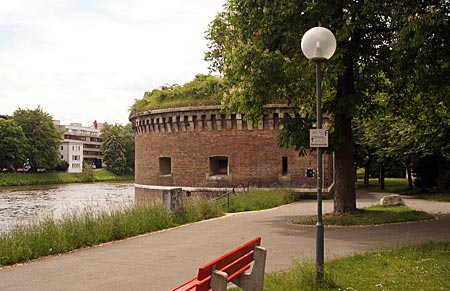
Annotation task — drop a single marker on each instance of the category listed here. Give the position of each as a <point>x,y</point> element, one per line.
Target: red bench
<point>232,267</point>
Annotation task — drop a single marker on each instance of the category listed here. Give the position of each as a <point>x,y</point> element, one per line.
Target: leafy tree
<point>114,154</point>
<point>88,172</point>
<point>13,145</point>
<point>118,148</point>
<point>43,137</point>
<point>256,46</point>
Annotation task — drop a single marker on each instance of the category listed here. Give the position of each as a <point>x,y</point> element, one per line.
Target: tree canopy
<point>43,137</point>
<point>118,148</point>
<point>396,47</point>
<point>13,145</point>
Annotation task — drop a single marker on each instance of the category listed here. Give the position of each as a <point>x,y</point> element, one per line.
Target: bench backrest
<point>234,263</point>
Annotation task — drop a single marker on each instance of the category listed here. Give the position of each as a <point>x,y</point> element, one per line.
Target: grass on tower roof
<point>203,90</point>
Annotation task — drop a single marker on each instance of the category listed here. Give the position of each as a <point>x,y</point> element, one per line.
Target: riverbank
<point>30,179</point>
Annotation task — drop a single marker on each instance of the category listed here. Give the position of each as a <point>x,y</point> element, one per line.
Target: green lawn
<point>394,185</point>
<point>417,267</point>
<point>400,186</point>
<point>29,179</point>
<point>370,216</point>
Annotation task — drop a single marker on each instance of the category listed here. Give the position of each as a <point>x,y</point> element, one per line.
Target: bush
<point>62,166</point>
<point>88,172</point>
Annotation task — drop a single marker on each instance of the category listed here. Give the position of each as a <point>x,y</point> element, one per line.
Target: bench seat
<point>231,267</point>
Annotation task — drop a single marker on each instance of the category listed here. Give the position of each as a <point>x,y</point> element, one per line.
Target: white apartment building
<point>80,144</point>
<point>72,153</point>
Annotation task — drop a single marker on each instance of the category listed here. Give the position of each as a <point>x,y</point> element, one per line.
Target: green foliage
<point>302,276</point>
<point>392,185</point>
<point>257,200</point>
<point>415,267</point>
<point>434,196</point>
<point>256,45</point>
<point>114,154</point>
<point>383,49</point>
<point>118,148</point>
<point>415,136</point>
<point>197,209</point>
<point>77,230</point>
<point>62,166</point>
<point>105,175</point>
<point>203,90</point>
<point>88,172</point>
<point>43,137</point>
<point>48,178</point>
<point>370,216</point>
<point>13,145</point>
<point>410,122</point>
<point>400,186</point>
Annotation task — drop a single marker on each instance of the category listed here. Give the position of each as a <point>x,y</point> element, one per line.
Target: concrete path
<point>164,259</point>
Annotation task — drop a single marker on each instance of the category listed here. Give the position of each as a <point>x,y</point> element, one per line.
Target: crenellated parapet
<point>202,118</point>
<point>202,147</point>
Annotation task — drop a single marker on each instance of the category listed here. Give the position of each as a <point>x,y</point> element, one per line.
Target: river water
<point>23,205</point>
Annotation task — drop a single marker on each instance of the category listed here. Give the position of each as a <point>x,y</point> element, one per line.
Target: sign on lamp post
<point>318,138</point>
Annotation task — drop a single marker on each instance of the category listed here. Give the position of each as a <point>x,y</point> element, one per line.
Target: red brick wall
<point>253,155</point>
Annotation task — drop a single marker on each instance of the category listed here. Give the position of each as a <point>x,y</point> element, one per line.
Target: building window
<point>165,166</point>
<point>284,167</point>
<point>62,147</point>
<point>75,158</point>
<point>218,165</point>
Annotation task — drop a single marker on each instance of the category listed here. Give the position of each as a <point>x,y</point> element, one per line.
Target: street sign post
<point>318,138</point>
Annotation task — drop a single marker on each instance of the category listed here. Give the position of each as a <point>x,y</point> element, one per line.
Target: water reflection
<point>22,205</point>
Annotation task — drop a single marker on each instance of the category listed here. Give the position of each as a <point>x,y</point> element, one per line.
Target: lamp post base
<point>319,252</point>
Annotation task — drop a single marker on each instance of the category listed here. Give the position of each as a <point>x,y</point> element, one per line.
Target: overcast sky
<point>86,60</point>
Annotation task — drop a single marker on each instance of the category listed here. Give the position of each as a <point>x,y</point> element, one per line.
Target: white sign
<point>318,138</point>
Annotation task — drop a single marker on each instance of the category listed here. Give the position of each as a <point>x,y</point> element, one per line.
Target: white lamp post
<point>318,44</point>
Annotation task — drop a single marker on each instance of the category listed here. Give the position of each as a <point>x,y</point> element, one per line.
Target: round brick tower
<point>203,149</point>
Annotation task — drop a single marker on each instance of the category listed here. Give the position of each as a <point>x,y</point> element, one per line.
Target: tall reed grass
<point>92,227</point>
<point>257,200</point>
<point>89,228</point>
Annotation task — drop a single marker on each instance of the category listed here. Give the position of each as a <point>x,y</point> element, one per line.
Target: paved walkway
<point>164,259</point>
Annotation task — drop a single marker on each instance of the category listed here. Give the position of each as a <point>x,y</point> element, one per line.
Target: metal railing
<point>233,191</point>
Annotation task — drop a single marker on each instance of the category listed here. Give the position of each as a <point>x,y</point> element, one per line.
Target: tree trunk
<point>409,174</point>
<point>367,173</point>
<point>440,178</point>
<point>381,176</point>
<point>345,194</point>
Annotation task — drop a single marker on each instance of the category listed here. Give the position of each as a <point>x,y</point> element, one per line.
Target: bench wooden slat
<point>234,263</point>
<point>238,267</point>
<point>204,285</point>
<point>187,286</point>
<point>228,258</point>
